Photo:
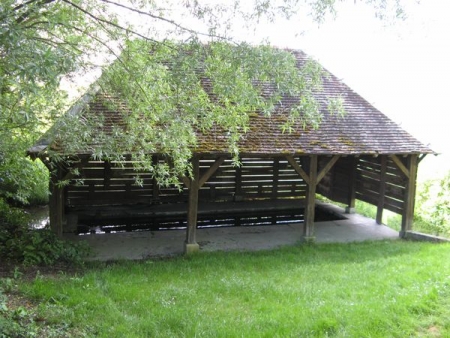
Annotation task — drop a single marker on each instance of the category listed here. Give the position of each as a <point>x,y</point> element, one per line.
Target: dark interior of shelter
<point>261,191</point>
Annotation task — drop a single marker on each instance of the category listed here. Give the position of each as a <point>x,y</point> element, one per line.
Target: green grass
<point>390,218</point>
<point>372,289</point>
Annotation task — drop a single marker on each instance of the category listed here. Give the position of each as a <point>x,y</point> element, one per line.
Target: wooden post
<point>351,197</point>
<point>382,190</point>
<point>308,229</point>
<point>276,170</point>
<point>410,194</point>
<point>191,244</point>
<point>107,173</point>
<point>155,187</point>
<point>56,202</point>
<point>238,184</point>
<point>52,204</point>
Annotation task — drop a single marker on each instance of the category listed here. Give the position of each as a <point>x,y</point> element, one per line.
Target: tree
<point>35,52</point>
<point>42,41</point>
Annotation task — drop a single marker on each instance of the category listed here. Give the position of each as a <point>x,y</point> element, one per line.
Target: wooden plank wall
<point>257,178</point>
<point>104,183</point>
<point>368,183</point>
<point>335,185</point>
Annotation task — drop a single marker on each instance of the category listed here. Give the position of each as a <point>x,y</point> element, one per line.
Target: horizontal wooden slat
<point>104,184</point>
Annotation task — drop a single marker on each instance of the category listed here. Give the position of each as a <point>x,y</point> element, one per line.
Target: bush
<point>432,209</point>
<point>38,191</point>
<point>22,180</point>
<point>20,244</point>
<point>433,206</point>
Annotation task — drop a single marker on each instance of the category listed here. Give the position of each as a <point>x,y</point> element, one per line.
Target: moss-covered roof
<point>363,130</point>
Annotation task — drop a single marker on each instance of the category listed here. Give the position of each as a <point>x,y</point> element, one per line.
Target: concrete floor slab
<point>147,244</point>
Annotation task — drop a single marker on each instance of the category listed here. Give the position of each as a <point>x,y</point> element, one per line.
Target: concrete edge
<point>419,236</point>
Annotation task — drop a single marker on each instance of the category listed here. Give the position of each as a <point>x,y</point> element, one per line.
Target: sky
<point>400,67</point>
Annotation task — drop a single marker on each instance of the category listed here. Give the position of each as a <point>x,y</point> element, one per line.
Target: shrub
<point>38,192</point>
<point>433,206</point>
<point>22,180</point>
<point>20,244</point>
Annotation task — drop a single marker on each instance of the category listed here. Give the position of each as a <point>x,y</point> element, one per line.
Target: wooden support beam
<point>186,181</point>
<point>106,174</point>
<point>327,168</point>
<point>400,165</point>
<point>275,177</point>
<point>56,202</point>
<point>351,196</point>
<point>191,245</point>
<point>60,206</point>
<point>155,186</point>
<point>128,193</point>
<point>206,176</point>
<point>410,194</point>
<point>238,184</point>
<point>382,190</point>
<point>91,191</point>
<point>308,229</point>
<point>52,204</point>
<point>297,168</point>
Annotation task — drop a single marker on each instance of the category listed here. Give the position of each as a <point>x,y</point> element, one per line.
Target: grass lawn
<point>371,289</point>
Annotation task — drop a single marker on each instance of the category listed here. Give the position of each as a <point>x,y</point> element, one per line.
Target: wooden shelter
<point>363,155</point>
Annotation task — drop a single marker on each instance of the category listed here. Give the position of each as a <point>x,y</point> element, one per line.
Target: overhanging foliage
<point>42,41</point>
<point>165,93</point>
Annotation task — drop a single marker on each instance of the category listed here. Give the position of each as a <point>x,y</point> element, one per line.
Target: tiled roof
<point>363,130</point>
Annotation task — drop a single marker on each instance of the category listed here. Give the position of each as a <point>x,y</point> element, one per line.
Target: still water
<point>39,216</point>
